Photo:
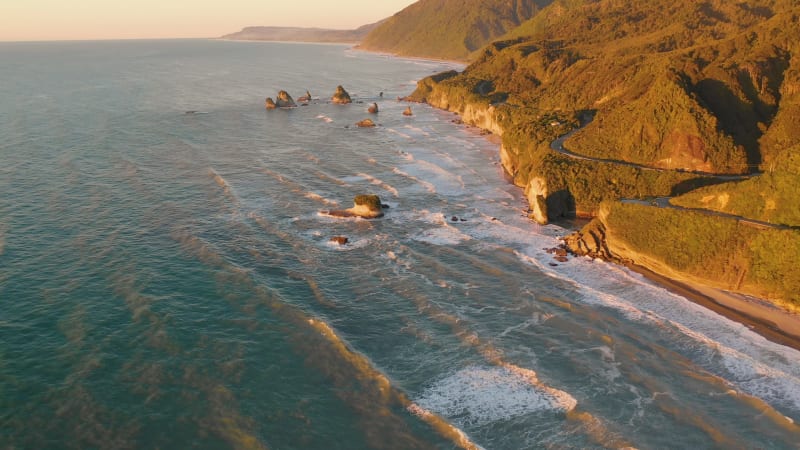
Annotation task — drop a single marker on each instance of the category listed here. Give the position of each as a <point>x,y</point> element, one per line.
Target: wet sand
<point>759,315</point>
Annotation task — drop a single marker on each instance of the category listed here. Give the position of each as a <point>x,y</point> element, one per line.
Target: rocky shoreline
<point>761,315</point>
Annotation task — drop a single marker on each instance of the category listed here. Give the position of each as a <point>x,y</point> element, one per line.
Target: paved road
<point>664,202</point>
<point>558,146</point>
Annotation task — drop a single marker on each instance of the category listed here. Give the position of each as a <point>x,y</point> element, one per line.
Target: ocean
<point>167,279</point>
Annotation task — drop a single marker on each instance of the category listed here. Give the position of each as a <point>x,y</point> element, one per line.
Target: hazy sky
<point>24,20</point>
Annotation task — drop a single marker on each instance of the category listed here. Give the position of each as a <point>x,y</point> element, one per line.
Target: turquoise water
<point>167,280</point>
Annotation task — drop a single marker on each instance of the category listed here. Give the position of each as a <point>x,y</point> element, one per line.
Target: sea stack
<point>373,108</point>
<point>366,123</point>
<point>364,206</point>
<point>407,112</point>
<point>270,104</point>
<point>341,96</point>
<point>285,100</point>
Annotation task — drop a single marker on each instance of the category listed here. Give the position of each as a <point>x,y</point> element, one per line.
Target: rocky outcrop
<point>305,98</point>
<point>591,241</point>
<point>536,193</point>
<point>364,206</point>
<point>408,112</point>
<point>269,103</point>
<point>373,108</point>
<point>341,240</point>
<point>366,123</point>
<point>341,97</point>
<point>284,100</point>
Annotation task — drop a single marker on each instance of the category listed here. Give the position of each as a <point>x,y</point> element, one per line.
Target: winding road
<point>557,145</point>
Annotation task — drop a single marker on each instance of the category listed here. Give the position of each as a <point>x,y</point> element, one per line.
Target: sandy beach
<point>760,315</point>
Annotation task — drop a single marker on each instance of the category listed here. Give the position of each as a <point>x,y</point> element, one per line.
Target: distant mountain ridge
<point>300,34</point>
<point>449,29</point>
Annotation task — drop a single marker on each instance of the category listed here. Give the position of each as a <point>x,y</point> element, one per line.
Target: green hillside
<point>666,93</point>
<point>449,29</point>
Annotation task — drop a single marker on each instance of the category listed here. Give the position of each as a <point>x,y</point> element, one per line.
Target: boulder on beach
<point>270,104</point>
<point>366,123</point>
<point>305,98</point>
<point>373,108</point>
<point>341,96</point>
<point>284,100</point>
<point>407,112</point>
<point>364,206</point>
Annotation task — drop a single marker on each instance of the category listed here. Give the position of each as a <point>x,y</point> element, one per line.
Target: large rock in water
<point>365,206</point>
<point>341,96</point>
<point>285,100</point>
<point>270,104</point>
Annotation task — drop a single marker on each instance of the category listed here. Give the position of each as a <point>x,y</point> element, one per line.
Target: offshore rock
<point>284,100</point>
<point>373,108</point>
<point>305,98</point>
<point>270,104</point>
<point>407,112</point>
<point>341,240</point>
<point>366,123</point>
<point>364,206</point>
<point>341,96</point>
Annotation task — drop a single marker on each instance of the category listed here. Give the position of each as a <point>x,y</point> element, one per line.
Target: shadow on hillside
<point>690,185</point>
<point>561,204</point>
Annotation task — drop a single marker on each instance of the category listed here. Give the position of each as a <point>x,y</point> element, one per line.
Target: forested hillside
<point>449,29</point>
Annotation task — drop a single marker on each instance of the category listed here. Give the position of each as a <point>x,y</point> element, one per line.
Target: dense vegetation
<point>449,29</point>
<point>771,197</point>
<point>730,254</point>
<point>681,86</point>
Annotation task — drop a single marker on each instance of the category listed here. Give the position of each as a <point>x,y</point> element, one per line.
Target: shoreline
<point>462,64</point>
<point>771,322</point>
<point>759,315</point>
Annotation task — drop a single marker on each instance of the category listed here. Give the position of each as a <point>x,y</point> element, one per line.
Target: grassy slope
<point>449,29</point>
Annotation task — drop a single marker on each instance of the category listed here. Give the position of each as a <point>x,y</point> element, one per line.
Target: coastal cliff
<point>663,123</point>
<point>727,253</point>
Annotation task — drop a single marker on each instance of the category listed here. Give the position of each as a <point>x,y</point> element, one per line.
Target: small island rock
<point>341,96</point>
<point>306,98</point>
<point>270,104</point>
<point>407,112</point>
<point>373,108</point>
<point>366,123</point>
<point>284,100</point>
<point>364,206</point>
<point>341,240</point>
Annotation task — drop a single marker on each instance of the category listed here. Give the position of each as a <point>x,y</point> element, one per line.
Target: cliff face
<point>449,29</point>
<point>723,252</point>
